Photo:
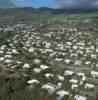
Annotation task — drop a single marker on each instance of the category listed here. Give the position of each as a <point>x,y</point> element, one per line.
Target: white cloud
<point>78,3</point>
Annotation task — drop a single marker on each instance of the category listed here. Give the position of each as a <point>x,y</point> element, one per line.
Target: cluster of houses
<point>71,50</point>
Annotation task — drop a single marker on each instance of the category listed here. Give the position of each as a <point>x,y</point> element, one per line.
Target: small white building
<point>2,58</point>
<point>78,63</point>
<point>44,67</point>
<point>33,81</point>
<point>51,88</point>
<point>89,86</point>
<point>1,52</point>
<point>60,85</point>
<point>87,62</point>
<point>14,51</point>
<point>59,59</point>
<point>74,86</point>
<point>37,61</point>
<point>26,66</point>
<point>31,49</point>
<point>37,70</point>
<point>80,74</point>
<point>61,78</point>
<point>78,97</point>
<point>67,61</point>
<point>94,74</point>
<point>62,93</point>
<point>73,81</point>
<point>83,79</point>
<point>48,75</point>
<point>8,56</point>
<point>8,61</point>
<point>68,72</point>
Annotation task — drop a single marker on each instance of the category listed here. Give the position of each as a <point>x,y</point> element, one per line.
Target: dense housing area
<point>52,58</point>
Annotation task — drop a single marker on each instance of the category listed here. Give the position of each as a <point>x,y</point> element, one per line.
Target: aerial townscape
<point>48,55</point>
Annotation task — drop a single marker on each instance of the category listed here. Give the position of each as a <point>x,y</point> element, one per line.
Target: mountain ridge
<point>52,10</point>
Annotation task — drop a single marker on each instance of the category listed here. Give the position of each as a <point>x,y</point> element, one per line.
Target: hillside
<point>30,14</point>
<point>47,54</point>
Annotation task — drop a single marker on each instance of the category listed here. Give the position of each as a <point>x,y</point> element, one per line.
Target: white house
<point>31,49</point>
<point>80,74</point>
<point>89,86</point>
<point>44,67</point>
<point>68,72</point>
<point>78,97</point>
<point>73,81</point>
<point>33,81</point>
<point>78,62</point>
<point>67,61</point>
<point>51,88</point>
<point>61,78</point>
<point>48,75</point>
<point>62,93</point>
<point>26,66</point>
<point>14,51</point>
<point>1,52</point>
<point>94,74</point>
<point>2,58</point>
<point>37,70</point>
<point>8,61</point>
<point>74,86</point>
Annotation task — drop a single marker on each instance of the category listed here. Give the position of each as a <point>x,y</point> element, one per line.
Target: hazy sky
<point>50,3</point>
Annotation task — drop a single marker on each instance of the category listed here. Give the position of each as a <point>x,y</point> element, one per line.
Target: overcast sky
<point>68,4</point>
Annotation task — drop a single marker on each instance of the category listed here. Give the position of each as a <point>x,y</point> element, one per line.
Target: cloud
<point>68,4</point>
<point>23,3</point>
<point>6,4</point>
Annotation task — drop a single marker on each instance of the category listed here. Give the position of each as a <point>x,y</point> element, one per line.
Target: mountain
<point>6,4</point>
<point>28,14</point>
<point>46,9</point>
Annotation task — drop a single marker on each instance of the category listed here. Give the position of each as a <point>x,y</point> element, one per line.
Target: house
<point>50,88</point>
<point>1,52</point>
<point>68,72</point>
<point>69,43</point>
<point>97,65</point>
<point>63,93</point>
<point>87,62</point>
<point>73,81</point>
<point>31,49</point>
<point>14,51</point>
<point>2,58</point>
<point>59,59</point>
<point>93,56</point>
<point>89,86</point>
<point>67,61</point>
<point>84,78</point>
<point>3,47</point>
<point>78,63</point>
<point>61,78</point>
<point>8,61</point>
<point>60,85</point>
<point>78,97</point>
<point>74,86</point>
<point>48,75</point>
<point>75,47</point>
<point>80,74</point>
<point>8,56</point>
<point>26,66</point>
<point>94,74</point>
<point>33,81</point>
<point>37,70</point>
<point>37,61</point>
<point>44,67</point>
